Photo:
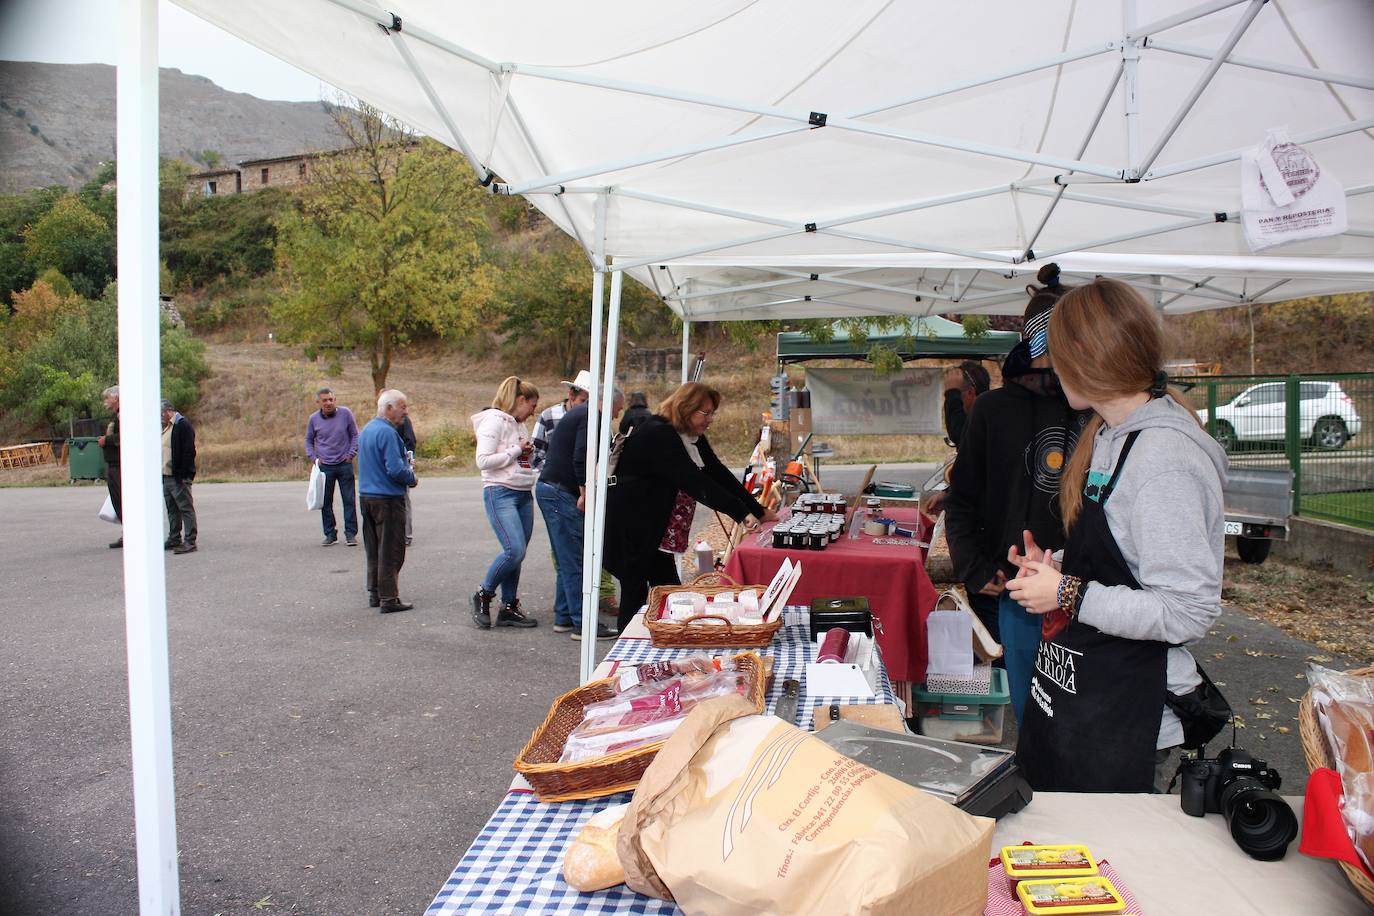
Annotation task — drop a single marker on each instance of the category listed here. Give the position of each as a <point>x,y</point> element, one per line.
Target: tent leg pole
<point>591,571</point>
<point>686,346</point>
<point>145,586</point>
<point>603,454</point>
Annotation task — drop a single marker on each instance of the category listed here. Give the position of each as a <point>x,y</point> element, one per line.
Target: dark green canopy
<point>930,338</point>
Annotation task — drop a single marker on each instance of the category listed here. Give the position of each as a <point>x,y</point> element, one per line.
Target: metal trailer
<point>1259,502</point>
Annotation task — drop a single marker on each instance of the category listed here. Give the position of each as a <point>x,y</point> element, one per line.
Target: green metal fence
<point>1315,424</point>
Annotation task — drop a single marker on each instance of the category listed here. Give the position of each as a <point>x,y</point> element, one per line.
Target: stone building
<point>213,183</point>
<point>283,171</point>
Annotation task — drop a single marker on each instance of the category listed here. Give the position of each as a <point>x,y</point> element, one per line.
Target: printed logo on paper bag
<point>1300,171</point>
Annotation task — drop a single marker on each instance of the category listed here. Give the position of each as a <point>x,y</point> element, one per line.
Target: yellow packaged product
<point>1069,896</point>
<point>1064,861</point>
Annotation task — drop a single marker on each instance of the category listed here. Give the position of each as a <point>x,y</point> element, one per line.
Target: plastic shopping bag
<point>314,495</point>
<point>107,512</point>
<point>1286,196</point>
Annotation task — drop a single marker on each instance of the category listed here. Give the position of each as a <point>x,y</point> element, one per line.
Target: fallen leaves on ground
<point>1315,604</point>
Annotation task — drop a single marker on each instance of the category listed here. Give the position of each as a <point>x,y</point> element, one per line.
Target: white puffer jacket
<point>498,450</point>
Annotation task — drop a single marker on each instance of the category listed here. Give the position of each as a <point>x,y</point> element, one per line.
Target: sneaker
<point>562,627</point>
<point>330,541</point>
<point>184,548</point>
<point>602,632</point>
<point>351,542</point>
<point>481,608</point>
<point>512,616</point>
<point>116,545</point>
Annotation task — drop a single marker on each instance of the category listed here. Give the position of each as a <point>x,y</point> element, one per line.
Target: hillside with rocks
<point>57,123</point>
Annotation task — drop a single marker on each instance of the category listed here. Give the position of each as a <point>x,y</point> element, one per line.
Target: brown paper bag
<point>741,813</point>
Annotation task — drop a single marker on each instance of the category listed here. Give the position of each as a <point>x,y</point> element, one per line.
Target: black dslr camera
<point>1241,787</point>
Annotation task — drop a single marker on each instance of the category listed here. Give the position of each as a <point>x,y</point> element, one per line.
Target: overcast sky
<point>83,32</point>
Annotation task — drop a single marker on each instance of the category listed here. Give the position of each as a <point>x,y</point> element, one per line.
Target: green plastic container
<point>85,459</point>
<point>976,718</point>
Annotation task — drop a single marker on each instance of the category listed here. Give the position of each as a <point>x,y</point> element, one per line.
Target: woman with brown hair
<point>1141,572</point>
<point>666,467</point>
<point>504,450</point>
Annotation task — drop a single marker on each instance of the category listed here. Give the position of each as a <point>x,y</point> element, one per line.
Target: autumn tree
<point>387,243</point>
<point>72,239</point>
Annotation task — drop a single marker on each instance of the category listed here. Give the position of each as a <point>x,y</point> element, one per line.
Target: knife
<point>786,707</point>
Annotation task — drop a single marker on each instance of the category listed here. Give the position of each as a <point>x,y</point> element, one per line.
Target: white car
<point>1326,415</point>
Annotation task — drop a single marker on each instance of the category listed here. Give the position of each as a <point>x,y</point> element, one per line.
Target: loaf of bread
<point>1350,724</point>
<point>591,862</point>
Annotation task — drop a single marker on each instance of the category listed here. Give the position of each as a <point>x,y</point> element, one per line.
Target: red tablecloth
<point>892,578</point>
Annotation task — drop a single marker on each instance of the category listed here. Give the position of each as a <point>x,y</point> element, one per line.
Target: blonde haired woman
<point>503,457</point>
<point>1141,573</point>
<point>666,468</point>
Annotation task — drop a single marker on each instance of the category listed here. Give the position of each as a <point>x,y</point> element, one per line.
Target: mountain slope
<point>57,122</point>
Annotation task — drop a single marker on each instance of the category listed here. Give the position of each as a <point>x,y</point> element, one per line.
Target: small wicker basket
<point>1318,752</point>
<point>691,633</point>
<point>619,772</point>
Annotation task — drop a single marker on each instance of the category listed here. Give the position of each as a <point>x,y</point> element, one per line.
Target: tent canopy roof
<point>929,338</point>
<point>790,134</point>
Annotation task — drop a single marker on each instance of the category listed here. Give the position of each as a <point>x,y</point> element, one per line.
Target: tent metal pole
<point>1188,15</point>
<point>1321,76</point>
<point>706,208</point>
<point>918,246</point>
<point>483,174</point>
<point>551,182</point>
<point>913,291</point>
<point>704,249</point>
<point>591,574</point>
<point>1129,237</point>
<point>1311,136</point>
<point>1056,61</point>
<point>590,620</point>
<point>1269,289</point>
<point>503,96</point>
<point>538,157</point>
<point>1130,95</point>
<point>1119,203</point>
<point>1208,72</point>
<point>765,284</point>
<point>389,22</point>
<point>145,585</point>
<point>1219,297</point>
<point>686,348</point>
<point>1082,148</point>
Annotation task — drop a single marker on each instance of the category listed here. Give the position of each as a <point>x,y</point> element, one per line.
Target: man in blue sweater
<point>384,473</point>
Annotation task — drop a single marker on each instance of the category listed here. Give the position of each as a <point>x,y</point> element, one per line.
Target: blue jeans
<point>511,513</point>
<point>343,474</point>
<point>563,520</point>
<point>1020,632</point>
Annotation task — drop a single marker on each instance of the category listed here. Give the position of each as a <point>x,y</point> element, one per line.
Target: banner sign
<point>846,402</point>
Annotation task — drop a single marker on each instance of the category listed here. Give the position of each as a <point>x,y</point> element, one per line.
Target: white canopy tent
<point>794,158</point>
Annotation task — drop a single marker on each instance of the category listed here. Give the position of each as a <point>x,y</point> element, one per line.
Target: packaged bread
<point>591,862</point>
<point>653,672</point>
<point>1344,704</point>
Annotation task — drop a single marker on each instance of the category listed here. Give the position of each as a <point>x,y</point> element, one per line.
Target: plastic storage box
<point>976,718</point>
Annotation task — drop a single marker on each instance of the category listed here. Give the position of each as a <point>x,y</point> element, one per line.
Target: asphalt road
<point>329,759</point>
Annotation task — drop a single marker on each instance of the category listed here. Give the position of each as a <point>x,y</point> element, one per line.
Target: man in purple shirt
<point>331,440</point>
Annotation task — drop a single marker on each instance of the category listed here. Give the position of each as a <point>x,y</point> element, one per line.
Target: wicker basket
<point>1318,753</point>
<point>619,772</point>
<point>689,634</point>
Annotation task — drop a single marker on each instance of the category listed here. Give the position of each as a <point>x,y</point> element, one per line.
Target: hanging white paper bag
<point>107,512</point>
<point>314,496</point>
<point>1286,196</point>
<point>949,639</point>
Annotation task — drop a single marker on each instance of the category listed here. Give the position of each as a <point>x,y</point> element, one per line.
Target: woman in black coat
<point>666,467</point>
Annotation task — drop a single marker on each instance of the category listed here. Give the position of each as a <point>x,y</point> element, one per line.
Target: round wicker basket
<point>1317,750</point>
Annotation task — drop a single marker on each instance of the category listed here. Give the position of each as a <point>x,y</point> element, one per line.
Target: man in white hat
<point>579,389</point>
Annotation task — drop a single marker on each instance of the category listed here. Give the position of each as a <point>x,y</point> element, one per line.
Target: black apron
<point>1092,717</point>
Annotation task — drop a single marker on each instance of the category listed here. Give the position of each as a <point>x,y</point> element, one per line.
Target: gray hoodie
<point>1167,515</point>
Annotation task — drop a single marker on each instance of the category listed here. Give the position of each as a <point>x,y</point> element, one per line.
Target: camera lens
<point>1261,822</point>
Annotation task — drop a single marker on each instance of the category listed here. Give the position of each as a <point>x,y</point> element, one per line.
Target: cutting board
<point>881,715</point>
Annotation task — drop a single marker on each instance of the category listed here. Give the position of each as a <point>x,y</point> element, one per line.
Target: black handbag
<point>1203,711</point>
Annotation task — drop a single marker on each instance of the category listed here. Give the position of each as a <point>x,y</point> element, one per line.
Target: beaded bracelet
<point>1067,595</point>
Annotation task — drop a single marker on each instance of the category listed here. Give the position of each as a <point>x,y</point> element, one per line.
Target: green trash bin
<point>85,459</point>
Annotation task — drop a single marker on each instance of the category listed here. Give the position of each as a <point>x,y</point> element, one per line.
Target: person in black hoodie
<point>636,413</point>
<point>666,468</point>
<point>1005,482</point>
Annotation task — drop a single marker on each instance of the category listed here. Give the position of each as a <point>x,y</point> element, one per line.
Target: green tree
<point>72,239</point>
<point>18,212</point>
<point>388,244</point>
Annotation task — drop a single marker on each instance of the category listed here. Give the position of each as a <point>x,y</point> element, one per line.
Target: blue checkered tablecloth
<point>516,863</point>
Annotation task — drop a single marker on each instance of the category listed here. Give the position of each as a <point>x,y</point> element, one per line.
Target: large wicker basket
<point>694,633</point>
<point>619,772</point>
<point>1318,752</point>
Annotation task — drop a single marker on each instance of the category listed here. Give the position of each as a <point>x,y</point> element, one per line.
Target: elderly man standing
<point>109,447</point>
<point>331,439</point>
<point>178,470</point>
<point>384,473</point>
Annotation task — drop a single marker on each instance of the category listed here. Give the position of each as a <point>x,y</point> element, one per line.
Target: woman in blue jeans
<point>503,456</point>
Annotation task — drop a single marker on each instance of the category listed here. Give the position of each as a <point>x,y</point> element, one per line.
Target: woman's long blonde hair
<point>1105,342</point>
<point>689,397</point>
<point>509,390</point>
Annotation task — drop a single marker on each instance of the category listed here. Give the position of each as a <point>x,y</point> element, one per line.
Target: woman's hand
<point>751,522</point>
<point>1036,587</point>
<point>770,514</point>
